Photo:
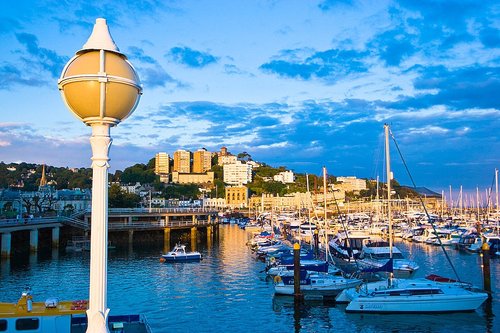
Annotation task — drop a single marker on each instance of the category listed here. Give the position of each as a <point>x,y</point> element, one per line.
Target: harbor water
<point>228,291</point>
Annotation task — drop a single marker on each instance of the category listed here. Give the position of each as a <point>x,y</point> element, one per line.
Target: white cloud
<point>273,145</point>
<point>431,130</point>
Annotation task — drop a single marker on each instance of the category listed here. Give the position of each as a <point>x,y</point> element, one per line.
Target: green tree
<point>274,187</point>
<point>138,173</point>
<point>117,198</point>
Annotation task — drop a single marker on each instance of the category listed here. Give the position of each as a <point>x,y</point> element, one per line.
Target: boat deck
<point>123,324</point>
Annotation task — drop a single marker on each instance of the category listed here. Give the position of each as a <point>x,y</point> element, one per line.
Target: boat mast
<point>309,209</point>
<point>388,168</point>
<point>451,203</point>
<point>477,202</point>
<point>496,189</point>
<point>324,224</point>
<point>378,202</point>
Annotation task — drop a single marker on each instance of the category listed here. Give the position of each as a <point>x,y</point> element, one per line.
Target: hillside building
<point>202,161</point>
<point>162,166</point>
<point>227,159</point>
<point>182,161</point>
<point>193,178</point>
<point>237,196</point>
<point>237,173</point>
<point>351,183</point>
<point>285,177</point>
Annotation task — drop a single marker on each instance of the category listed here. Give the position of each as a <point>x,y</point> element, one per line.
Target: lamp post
<point>101,88</point>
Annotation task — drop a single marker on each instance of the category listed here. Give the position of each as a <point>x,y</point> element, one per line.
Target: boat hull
<point>330,290</point>
<point>181,258</point>
<point>424,304</point>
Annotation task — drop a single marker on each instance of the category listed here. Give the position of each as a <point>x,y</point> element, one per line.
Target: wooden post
<point>486,268</point>
<point>296,272</point>
<point>166,240</point>
<point>316,242</point>
<point>194,238</point>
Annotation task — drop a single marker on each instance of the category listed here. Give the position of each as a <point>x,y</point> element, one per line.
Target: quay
<point>124,220</point>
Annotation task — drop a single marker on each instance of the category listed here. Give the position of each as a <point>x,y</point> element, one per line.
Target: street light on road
<point>101,88</point>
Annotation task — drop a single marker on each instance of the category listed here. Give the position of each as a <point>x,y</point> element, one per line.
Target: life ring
<point>277,279</point>
<point>272,260</point>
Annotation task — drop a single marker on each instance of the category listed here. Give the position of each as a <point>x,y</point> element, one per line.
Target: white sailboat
<point>410,295</point>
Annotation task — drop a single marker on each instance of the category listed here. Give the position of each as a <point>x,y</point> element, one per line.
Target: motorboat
<point>432,294</point>
<point>470,241</point>
<point>179,254</point>
<point>346,247</point>
<point>58,316</point>
<point>376,255</point>
<point>314,283</point>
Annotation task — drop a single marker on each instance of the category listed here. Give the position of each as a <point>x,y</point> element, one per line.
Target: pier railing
<point>156,224</point>
<point>182,210</point>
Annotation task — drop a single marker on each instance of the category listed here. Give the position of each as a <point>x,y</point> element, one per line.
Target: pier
<point>126,220</point>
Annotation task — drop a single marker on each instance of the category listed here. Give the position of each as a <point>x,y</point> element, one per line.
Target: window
<point>27,324</point>
<point>3,325</point>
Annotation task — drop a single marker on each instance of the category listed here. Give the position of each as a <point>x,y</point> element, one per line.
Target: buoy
<point>162,259</point>
<point>277,279</point>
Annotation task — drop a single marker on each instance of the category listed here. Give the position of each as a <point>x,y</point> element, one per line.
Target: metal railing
<point>74,222</point>
<point>161,210</point>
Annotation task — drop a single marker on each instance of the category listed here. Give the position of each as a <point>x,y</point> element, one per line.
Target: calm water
<point>227,291</point>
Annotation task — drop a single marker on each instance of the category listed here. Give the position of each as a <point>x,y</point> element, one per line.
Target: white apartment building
<point>351,183</point>
<point>285,177</point>
<point>237,173</point>
<point>162,166</point>
<point>227,159</point>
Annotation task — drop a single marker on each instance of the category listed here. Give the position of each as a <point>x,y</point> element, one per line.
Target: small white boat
<point>412,296</point>
<point>313,283</point>
<point>179,254</point>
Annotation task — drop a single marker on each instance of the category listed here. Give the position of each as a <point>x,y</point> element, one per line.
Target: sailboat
<point>410,295</point>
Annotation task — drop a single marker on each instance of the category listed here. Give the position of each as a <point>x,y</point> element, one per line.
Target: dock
<point>128,220</point>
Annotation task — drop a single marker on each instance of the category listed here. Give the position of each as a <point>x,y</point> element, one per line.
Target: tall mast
<point>496,189</point>
<point>461,203</point>
<point>378,203</point>
<point>309,209</point>
<point>477,202</point>
<point>309,200</point>
<point>442,203</point>
<point>451,203</point>
<point>388,167</point>
<point>324,225</point>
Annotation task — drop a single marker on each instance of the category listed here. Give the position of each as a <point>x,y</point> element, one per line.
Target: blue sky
<point>296,83</point>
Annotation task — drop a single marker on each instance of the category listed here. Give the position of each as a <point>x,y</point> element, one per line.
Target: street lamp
<point>101,88</point>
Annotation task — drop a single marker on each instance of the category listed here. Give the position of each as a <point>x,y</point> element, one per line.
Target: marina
<point>229,290</point>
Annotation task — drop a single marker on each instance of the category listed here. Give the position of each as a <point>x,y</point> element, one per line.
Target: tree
<point>138,173</point>
<point>244,157</point>
<point>117,198</point>
<point>187,192</point>
<point>274,187</point>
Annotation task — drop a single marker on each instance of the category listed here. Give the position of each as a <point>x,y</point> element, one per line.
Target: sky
<point>302,84</point>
